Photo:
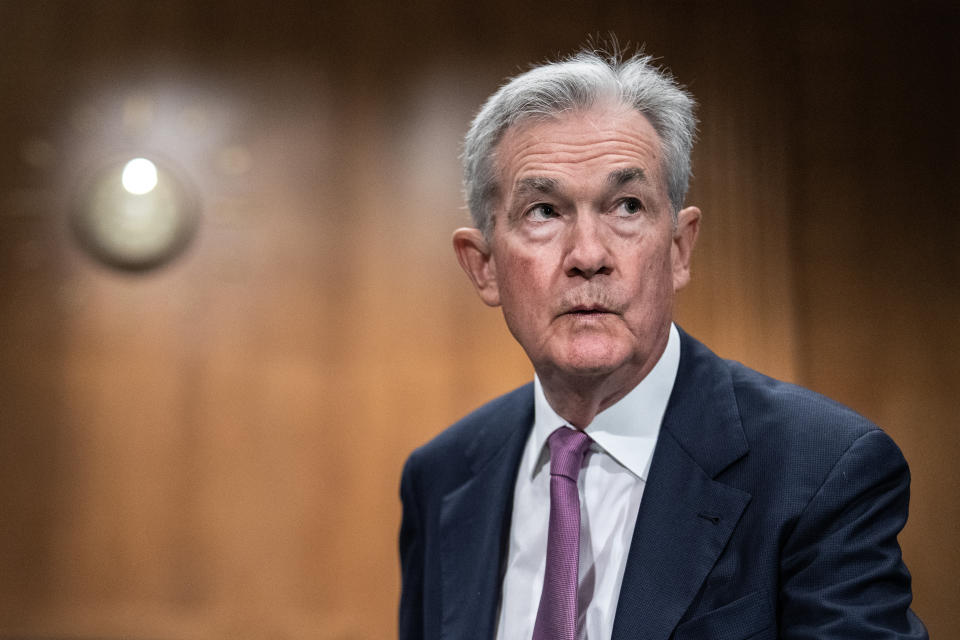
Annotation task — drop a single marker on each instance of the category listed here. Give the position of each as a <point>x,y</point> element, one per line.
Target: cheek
<point>522,276</point>
<point>524,295</point>
<point>655,282</point>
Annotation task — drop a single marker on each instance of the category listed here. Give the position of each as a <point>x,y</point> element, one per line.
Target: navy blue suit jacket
<point>769,512</point>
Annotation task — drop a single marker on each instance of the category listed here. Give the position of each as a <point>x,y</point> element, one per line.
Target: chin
<point>591,362</point>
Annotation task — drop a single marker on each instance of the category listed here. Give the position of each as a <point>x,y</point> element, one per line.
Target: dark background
<point>212,449</point>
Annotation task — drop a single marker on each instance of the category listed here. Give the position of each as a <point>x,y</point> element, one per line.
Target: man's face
<point>584,257</point>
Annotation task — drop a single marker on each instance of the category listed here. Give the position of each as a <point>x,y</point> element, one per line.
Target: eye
<point>542,211</point>
<point>629,207</point>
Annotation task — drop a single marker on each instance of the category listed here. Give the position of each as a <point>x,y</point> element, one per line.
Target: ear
<point>476,259</point>
<point>684,237</point>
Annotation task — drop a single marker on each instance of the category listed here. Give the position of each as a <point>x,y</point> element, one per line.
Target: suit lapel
<point>686,517</point>
<point>474,521</point>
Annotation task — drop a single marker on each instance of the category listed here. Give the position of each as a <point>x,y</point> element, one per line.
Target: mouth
<point>587,311</point>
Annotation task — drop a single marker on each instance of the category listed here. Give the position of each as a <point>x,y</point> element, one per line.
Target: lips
<point>590,301</point>
<point>587,310</point>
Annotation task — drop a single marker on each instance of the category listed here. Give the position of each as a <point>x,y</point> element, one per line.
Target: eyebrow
<point>621,177</point>
<point>616,178</point>
<point>537,184</point>
<point>541,184</point>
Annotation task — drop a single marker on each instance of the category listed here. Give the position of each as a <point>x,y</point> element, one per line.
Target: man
<point>640,487</point>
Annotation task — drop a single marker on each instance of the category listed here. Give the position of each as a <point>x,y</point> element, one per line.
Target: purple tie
<point>557,615</point>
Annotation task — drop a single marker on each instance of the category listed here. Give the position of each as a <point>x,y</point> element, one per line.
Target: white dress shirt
<point>611,485</point>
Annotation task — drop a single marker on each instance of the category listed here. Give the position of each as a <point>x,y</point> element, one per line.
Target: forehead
<point>579,146</point>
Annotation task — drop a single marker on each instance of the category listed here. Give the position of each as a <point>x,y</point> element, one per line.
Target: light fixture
<point>139,176</point>
<point>135,214</point>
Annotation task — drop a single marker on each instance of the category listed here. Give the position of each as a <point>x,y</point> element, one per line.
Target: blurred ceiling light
<point>135,215</point>
<point>139,176</point>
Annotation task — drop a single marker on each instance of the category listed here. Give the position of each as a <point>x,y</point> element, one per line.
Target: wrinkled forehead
<point>615,134</point>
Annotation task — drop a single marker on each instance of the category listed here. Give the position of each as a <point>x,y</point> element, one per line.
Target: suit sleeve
<point>411,559</point>
<point>842,575</point>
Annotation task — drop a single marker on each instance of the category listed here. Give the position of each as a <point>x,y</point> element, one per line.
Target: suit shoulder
<point>798,439</point>
<point>772,410</point>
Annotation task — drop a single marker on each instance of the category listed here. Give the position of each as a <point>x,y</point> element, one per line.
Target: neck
<point>578,398</point>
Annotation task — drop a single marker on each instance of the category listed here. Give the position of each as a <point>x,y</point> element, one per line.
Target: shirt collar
<point>628,429</point>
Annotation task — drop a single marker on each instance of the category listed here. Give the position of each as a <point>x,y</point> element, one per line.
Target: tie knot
<point>567,448</point>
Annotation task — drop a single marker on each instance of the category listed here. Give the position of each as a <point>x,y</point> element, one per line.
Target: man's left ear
<point>684,237</point>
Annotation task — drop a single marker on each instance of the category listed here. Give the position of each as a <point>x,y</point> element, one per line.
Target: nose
<point>587,252</point>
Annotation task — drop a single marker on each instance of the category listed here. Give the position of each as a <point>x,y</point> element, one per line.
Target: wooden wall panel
<point>742,298</point>
<point>879,286</point>
<point>212,450</point>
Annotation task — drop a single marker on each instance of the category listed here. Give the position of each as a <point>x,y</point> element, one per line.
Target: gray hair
<point>579,82</point>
